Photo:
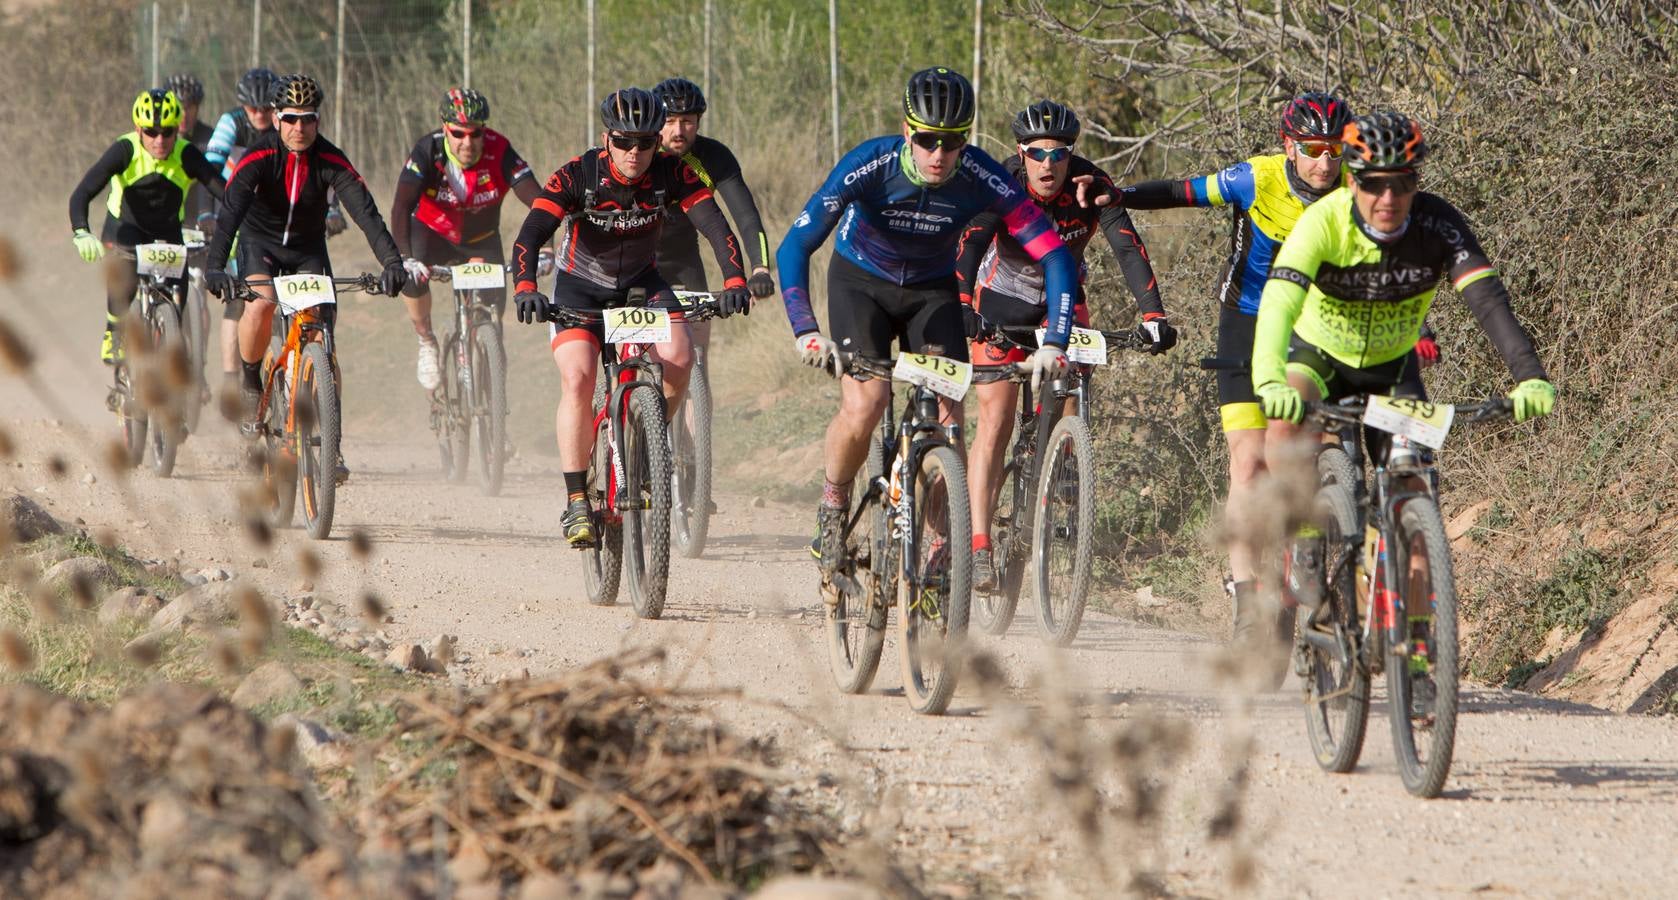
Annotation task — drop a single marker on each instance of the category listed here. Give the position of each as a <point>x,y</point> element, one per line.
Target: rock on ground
<point>129,603</point>
<point>268,683</point>
<point>89,570</point>
<point>26,519</point>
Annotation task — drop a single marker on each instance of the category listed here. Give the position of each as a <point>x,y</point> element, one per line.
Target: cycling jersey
<point>197,202</point>
<point>148,195</point>
<point>1361,301</point>
<point>462,205</point>
<point>233,134</point>
<point>717,169</point>
<point>609,227</point>
<point>898,228</point>
<point>279,197</point>
<point>1000,264</point>
<point>1268,197</point>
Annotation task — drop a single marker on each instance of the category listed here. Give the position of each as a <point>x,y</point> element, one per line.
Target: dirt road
<point>1546,799</point>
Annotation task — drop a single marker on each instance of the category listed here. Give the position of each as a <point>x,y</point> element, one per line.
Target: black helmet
<point>186,87</point>
<point>939,99</point>
<point>1315,116</point>
<point>297,91</point>
<point>464,106</point>
<point>680,96</point>
<point>632,110</point>
<point>1046,119</point>
<point>1383,142</point>
<point>256,87</point>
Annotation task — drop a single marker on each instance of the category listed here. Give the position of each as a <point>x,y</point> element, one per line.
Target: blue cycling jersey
<point>894,225</point>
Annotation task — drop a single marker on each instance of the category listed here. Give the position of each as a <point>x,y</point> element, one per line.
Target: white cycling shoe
<point>429,367</point>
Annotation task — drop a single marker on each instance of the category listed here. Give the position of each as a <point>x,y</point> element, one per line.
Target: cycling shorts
<point>1335,380</point>
<point>865,313</point>
<point>572,292</point>
<point>433,249</point>
<point>1237,404</point>
<point>257,257</point>
<point>1007,310</point>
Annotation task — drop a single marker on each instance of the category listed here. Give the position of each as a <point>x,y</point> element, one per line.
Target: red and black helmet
<point>463,106</point>
<point>1384,142</point>
<point>1315,116</point>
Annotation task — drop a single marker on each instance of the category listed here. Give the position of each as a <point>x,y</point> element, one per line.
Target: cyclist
<point>900,203</point>
<point>611,203</point>
<point>714,163</point>
<point>1002,285</point>
<point>1349,288</point>
<point>276,203</point>
<point>236,130</point>
<point>149,172</point>
<point>451,188</point>
<point>1269,193</point>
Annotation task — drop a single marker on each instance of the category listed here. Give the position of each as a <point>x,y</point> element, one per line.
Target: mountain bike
<point>629,470</point>
<point>149,388</point>
<point>1386,553</point>
<point>195,327</point>
<point>906,540</point>
<point>690,448</point>
<point>298,417</point>
<point>472,398</point>
<point>1045,514</point>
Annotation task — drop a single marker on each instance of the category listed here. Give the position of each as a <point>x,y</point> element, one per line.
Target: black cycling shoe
<point>578,523</point>
<point>341,472</point>
<point>984,570</point>
<point>250,400</point>
<point>830,535</point>
<point>1423,695</point>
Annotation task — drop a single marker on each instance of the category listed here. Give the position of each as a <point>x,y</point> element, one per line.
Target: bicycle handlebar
<point>998,335</point>
<point>865,368</point>
<point>567,317</point>
<point>349,284</point>
<point>1349,410</point>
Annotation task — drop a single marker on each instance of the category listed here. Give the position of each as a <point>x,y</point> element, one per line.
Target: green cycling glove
<point>1533,397</point>
<point>87,245</point>
<point>1281,401</point>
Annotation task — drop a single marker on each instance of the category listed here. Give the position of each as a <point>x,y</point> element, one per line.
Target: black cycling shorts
<point>1400,377</point>
<point>571,292</point>
<point>1010,311</point>
<point>433,249</point>
<point>273,260</point>
<point>865,313</point>
<point>1237,404</point>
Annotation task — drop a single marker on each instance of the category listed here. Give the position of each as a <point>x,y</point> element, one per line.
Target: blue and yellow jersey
<point>1267,204</point>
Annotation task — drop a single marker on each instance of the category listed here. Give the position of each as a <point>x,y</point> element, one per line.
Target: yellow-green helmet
<point>157,108</point>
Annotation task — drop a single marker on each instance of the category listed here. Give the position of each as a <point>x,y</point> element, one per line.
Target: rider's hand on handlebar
<point>973,323</point>
<point>1281,401</point>
<point>734,300</point>
<point>533,306</point>
<point>219,283</point>
<point>815,350</point>
<point>761,284</point>
<point>1046,364</point>
<point>418,272</point>
<point>1157,331</point>
<point>544,262</point>
<point>88,246</point>
<point>1533,397</point>
<point>393,278</point>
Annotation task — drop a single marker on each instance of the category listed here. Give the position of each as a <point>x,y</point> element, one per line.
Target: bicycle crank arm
<point>1327,643</point>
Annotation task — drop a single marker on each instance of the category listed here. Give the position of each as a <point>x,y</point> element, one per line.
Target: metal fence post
<point>256,33</point>
<point>833,69</point>
<point>156,14</point>
<point>978,44</point>
<point>338,80</point>
<point>588,116</point>
<point>466,46</point>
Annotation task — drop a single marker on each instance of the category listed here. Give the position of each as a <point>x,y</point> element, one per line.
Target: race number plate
<point>944,377</point>
<point>296,292</point>
<point>1420,421</point>
<point>637,325</point>
<point>192,235</point>
<point>161,260</point>
<point>1083,345</point>
<point>478,276</point>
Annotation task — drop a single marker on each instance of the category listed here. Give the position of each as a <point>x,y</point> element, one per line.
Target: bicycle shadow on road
<point>1549,781</point>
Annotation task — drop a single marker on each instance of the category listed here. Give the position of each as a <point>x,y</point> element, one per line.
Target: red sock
<point>981,542</point>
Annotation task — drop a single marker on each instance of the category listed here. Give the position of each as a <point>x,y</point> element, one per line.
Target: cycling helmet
<point>1383,142</point>
<point>255,87</point>
<point>464,106</point>
<point>157,108</point>
<point>187,88</point>
<point>939,99</point>
<point>1315,116</point>
<point>1046,119</point>
<point>680,96</point>
<point>632,110</point>
<point>297,91</point>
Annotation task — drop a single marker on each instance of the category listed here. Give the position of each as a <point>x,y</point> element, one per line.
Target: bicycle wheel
<point>132,416</point>
<point>318,430</point>
<point>1424,734</point>
<point>489,407</point>
<point>993,611</point>
<point>165,398</point>
<point>856,622</point>
<point>933,626</point>
<point>691,443</point>
<point>1336,690</point>
<point>1062,544</point>
<point>646,488</point>
<point>279,463</point>
<point>605,559</point>
<point>453,437</point>
<point>197,342</point>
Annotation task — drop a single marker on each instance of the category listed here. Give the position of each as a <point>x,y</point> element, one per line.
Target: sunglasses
<point>1046,154</point>
<point>159,132</point>
<point>1402,183</point>
<point>948,141</point>
<point>1320,149</point>
<point>306,118</point>
<point>635,142</point>
<point>459,133</point>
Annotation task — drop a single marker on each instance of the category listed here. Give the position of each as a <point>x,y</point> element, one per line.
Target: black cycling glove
<point>733,300</point>
<point>761,284</point>
<point>219,283</point>
<point>393,278</point>
<point>1158,333</point>
<point>533,306</point>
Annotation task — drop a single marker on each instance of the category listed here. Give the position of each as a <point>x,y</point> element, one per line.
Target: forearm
<point>743,208</point>
<point>1132,257</point>
<point>1279,308</point>
<point>534,234</point>
<point>1164,194</point>
<point>1488,299</point>
<point>707,219</point>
